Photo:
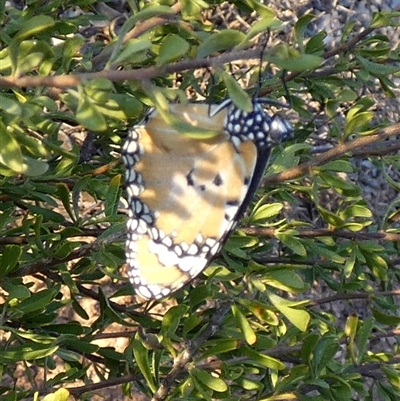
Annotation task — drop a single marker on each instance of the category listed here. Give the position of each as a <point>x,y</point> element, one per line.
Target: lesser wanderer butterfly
<point>186,194</point>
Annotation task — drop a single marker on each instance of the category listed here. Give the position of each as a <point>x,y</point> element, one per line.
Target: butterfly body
<point>186,194</point>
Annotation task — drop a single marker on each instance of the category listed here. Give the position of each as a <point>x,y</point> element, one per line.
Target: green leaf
<point>141,354</point>
<point>200,388</point>
<point>214,383</point>
<point>385,318</point>
<point>27,352</point>
<point>393,376</point>
<point>338,165</point>
<point>126,104</point>
<point>64,194</point>
<point>265,212</point>
<point>33,26</point>
<point>285,280</point>
<point>292,60</point>
<point>377,264</point>
<point>349,265</point>
<point>378,68</point>
<point>99,90</point>
<point>88,114</point>
<point>172,48</point>
<point>299,317</point>
<point>10,105</point>
<point>191,9</point>
<point>330,217</point>
<point>239,97</point>
<point>10,151</point>
<point>300,28</point>
<point>292,243</point>
<point>33,168</point>
<point>338,183</point>
<point>219,42</point>
<point>261,311</point>
<point>350,330</point>
<point>16,292</point>
<point>170,324</point>
<point>308,347</point>
<point>70,341</point>
<point>356,211</point>
<point>38,301</point>
<point>324,353</point>
<point>363,336</point>
<point>383,18</point>
<point>9,259</point>
<point>28,62</point>
<point>357,122</point>
<point>132,49</point>
<point>112,196</point>
<point>244,325</point>
<point>324,252</point>
<point>71,327</point>
<point>221,346</point>
<point>152,10</point>
<point>269,22</point>
<point>263,360</point>
<point>261,9</point>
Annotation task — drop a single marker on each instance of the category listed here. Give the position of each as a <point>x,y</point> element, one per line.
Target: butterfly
<point>186,194</point>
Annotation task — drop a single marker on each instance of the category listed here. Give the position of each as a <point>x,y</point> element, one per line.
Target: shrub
<point>301,302</point>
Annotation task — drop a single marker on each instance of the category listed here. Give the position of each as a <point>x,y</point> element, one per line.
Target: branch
<point>84,250</point>
<point>333,154</point>
<point>328,54</point>
<point>139,29</point>
<point>65,81</point>
<point>354,295</point>
<point>326,232</point>
<point>138,396</point>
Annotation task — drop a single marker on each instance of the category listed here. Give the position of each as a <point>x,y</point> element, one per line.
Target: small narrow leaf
<point>299,317</point>
<point>244,325</point>
<point>300,29</point>
<point>292,243</point>
<point>141,354</point>
<point>172,48</point>
<point>239,97</point>
<point>214,383</point>
<point>385,318</point>
<point>89,116</point>
<point>221,41</point>
<point>264,360</point>
<point>35,25</point>
<point>265,212</point>
<point>10,151</point>
<point>38,301</point>
<point>112,196</point>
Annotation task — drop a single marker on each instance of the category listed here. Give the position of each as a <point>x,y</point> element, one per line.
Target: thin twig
<point>326,232</point>
<point>333,154</point>
<point>71,80</point>
<point>354,295</point>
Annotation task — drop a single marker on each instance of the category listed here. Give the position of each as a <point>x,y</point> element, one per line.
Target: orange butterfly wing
<point>184,196</point>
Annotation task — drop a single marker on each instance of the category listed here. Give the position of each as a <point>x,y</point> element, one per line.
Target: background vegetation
<point>303,301</point>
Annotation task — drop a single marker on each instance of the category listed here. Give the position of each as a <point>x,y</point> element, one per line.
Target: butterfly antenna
<point>287,93</point>
<point>260,67</point>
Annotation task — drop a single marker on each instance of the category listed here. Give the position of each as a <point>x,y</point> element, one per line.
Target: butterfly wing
<point>184,197</point>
